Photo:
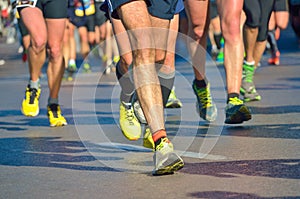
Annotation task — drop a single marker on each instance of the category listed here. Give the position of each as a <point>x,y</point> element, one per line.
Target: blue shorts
<point>161,9</point>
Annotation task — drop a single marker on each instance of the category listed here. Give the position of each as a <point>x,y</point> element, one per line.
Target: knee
<point>231,30</point>
<point>198,32</point>
<point>54,52</point>
<point>126,60</point>
<point>38,44</point>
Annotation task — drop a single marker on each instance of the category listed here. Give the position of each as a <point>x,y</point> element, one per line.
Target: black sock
<point>201,83</point>
<point>272,41</point>
<point>218,37</point>
<point>166,84</point>
<point>232,95</point>
<point>126,84</point>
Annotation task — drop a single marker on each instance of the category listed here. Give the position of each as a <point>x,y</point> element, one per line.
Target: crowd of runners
<point>142,55</point>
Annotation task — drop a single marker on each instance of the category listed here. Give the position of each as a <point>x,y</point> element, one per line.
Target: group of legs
<point>144,49</point>
<point>152,70</point>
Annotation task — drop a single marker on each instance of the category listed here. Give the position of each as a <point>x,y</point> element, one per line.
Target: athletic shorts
<point>213,9</point>
<point>280,5</point>
<point>89,23</point>
<point>258,13</point>
<point>22,28</point>
<point>100,17</point>
<point>52,9</point>
<point>179,6</point>
<point>162,9</point>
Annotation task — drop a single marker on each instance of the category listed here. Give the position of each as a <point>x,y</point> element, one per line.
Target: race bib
<point>24,3</point>
<point>88,9</point>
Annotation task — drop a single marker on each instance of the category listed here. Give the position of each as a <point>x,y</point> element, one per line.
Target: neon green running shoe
<point>130,125</point>
<point>55,117</point>
<point>166,161</point>
<point>173,101</point>
<point>147,140</point>
<point>87,67</point>
<point>206,108</point>
<point>30,103</point>
<point>236,111</point>
<point>248,88</point>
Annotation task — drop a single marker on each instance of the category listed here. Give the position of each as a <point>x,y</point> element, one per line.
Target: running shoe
<point>72,67</point>
<point>220,57</point>
<point>275,59</point>
<point>130,126</point>
<point>147,140</point>
<point>87,67</point>
<point>138,111</point>
<point>173,101</point>
<point>236,111</point>
<point>206,108</point>
<point>54,116</point>
<point>248,88</point>
<point>166,161</point>
<point>30,103</point>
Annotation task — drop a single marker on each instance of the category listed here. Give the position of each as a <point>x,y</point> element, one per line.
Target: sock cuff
<point>159,134</point>
<point>166,75</point>
<point>52,100</point>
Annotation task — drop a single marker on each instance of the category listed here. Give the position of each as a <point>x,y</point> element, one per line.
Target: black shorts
<point>22,28</point>
<point>258,13</point>
<point>100,17</point>
<point>161,9</point>
<point>280,6</point>
<point>88,22</point>
<point>213,9</point>
<point>52,9</point>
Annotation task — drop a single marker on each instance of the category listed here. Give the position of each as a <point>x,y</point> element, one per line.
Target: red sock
<point>159,134</point>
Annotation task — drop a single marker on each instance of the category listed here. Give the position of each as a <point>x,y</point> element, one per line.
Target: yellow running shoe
<point>236,111</point>
<point>55,117</point>
<point>173,101</point>
<point>147,140</point>
<point>30,104</point>
<point>166,161</point>
<point>130,126</point>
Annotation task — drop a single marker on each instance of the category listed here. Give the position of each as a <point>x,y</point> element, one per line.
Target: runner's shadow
<point>227,194</point>
<point>276,168</point>
<point>50,152</point>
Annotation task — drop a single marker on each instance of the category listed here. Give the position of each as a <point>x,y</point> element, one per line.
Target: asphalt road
<point>90,158</point>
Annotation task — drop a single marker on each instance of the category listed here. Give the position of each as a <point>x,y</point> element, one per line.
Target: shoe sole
<point>58,124</point>
<point>173,105</point>
<point>242,115</point>
<point>169,169</point>
<point>30,114</point>
<point>131,138</point>
<point>252,99</point>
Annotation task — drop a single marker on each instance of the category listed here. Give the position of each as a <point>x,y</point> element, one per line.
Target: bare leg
<point>199,23</point>
<point>145,76</point>
<point>56,63</point>
<point>32,18</point>
<point>230,16</point>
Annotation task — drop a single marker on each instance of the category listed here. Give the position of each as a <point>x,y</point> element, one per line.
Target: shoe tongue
<point>127,104</point>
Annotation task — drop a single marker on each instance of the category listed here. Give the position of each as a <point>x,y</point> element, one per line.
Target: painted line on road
<point>135,148</point>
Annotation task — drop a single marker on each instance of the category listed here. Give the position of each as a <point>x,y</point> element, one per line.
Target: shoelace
<point>130,115</point>
<point>235,101</point>
<point>32,95</point>
<point>205,98</point>
<point>249,72</point>
<point>55,110</point>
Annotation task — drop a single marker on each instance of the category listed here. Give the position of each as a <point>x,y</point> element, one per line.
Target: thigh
<point>195,17</point>
<point>35,24</point>
<point>55,28</point>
